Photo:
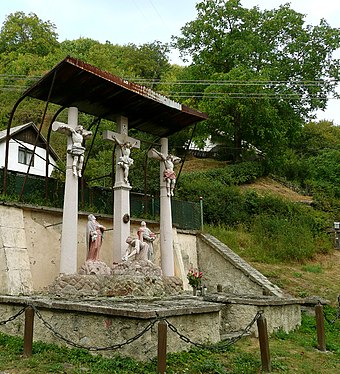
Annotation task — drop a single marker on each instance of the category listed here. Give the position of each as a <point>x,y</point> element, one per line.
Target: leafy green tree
<point>23,33</point>
<point>311,152</point>
<point>28,48</point>
<point>317,136</point>
<point>79,48</point>
<point>149,60</point>
<point>259,74</point>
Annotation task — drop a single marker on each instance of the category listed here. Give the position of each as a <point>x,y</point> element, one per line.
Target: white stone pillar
<point>69,234</point>
<point>166,237</point>
<point>121,205</point>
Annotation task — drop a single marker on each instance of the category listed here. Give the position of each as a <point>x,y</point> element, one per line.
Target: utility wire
<point>291,85</point>
<point>198,81</point>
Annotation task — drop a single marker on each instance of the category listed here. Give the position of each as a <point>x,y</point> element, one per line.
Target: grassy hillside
<point>317,276</point>
<point>314,275</point>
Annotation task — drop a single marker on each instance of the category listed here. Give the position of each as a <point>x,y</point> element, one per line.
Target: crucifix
<point>167,184</point>
<point>75,148</point>
<point>76,136</point>
<point>121,200</point>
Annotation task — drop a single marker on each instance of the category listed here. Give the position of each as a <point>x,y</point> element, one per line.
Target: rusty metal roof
<point>99,93</point>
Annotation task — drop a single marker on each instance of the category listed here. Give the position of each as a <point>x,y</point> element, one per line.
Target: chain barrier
<point>90,348</point>
<point>331,322</point>
<point>223,344</point>
<point>21,311</point>
<point>220,346</point>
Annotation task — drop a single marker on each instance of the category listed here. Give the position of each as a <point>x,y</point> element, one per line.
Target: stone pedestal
<point>130,278</point>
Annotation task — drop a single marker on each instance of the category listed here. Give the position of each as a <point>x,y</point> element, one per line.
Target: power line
<point>232,95</point>
<point>229,82</point>
<point>156,11</point>
<point>270,84</point>
<point>198,81</point>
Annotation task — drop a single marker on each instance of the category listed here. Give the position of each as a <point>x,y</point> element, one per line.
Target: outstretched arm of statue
<point>176,160</point>
<point>159,154</point>
<point>63,128</point>
<point>115,139</point>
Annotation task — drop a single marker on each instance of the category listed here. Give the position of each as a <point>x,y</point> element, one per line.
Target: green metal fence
<point>41,191</point>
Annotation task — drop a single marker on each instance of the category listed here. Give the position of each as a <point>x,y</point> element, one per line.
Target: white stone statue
<point>169,174</point>
<point>146,235</point>
<point>125,161</point>
<point>77,150</point>
<point>136,248</point>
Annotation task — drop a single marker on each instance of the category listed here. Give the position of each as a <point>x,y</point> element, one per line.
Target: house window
<point>25,155</point>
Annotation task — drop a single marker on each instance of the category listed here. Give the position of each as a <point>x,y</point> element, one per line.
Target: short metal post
<point>264,344</point>
<point>201,206</point>
<point>162,343</point>
<point>320,327</point>
<point>28,333</point>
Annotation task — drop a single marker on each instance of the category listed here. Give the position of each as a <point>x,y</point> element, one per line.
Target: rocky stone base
<point>95,267</point>
<point>133,268</point>
<point>135,278</point>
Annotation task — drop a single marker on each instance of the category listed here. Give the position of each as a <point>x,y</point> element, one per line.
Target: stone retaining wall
<point>30,247</point>
<point>103,323</point>
<point>15,271</point>
<point>237,312</point>
<point>222,266</point>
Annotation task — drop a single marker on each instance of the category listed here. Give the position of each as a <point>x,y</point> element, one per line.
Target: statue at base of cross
<point>146,235</point>
<point>136,250</point>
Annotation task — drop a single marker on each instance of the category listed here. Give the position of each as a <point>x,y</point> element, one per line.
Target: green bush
<point>271,229</point>
<point>283,239</point>
<point>222,201</point>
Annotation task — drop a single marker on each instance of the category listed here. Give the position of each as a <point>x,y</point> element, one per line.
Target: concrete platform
<point>100,323</point>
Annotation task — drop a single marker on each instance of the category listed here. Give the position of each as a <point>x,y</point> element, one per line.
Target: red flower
<point>194,277</point>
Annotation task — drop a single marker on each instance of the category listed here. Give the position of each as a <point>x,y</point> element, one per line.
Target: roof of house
<point>21,128</point>
<point>74,83</point>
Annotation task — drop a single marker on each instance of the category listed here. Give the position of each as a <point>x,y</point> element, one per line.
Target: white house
<point>21,146</point>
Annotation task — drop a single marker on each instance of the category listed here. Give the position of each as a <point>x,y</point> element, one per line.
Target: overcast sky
<point>144,21</point>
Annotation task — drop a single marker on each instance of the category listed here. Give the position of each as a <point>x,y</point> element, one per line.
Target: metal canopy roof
<point>75,83</point>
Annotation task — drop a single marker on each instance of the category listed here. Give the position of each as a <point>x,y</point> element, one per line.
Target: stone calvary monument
<point>99,297</point>
<point>125,248</point>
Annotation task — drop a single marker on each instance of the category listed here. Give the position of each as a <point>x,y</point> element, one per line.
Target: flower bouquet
<point>195,278</point>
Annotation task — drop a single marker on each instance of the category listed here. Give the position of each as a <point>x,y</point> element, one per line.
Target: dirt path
<point>267,185</point>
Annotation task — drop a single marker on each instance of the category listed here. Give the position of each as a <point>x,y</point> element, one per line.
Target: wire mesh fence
<point>43,191</point>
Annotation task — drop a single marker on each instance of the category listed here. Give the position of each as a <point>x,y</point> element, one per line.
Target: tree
<point>79,48</point>
<point>259,74</point>
<point>149,60</point>
<point>316,137</point>
<point>27,34</point>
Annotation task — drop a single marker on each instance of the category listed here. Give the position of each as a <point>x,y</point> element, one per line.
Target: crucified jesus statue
<point>169,174</point>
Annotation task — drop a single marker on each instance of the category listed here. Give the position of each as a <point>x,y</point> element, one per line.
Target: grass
<point>312,272</point>
<point>293,352</point>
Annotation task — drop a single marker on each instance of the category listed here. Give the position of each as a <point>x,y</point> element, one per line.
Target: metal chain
<point>337,314</point>
<point>21,311</point>
<point>222,345</point>
<point>91,348</point>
